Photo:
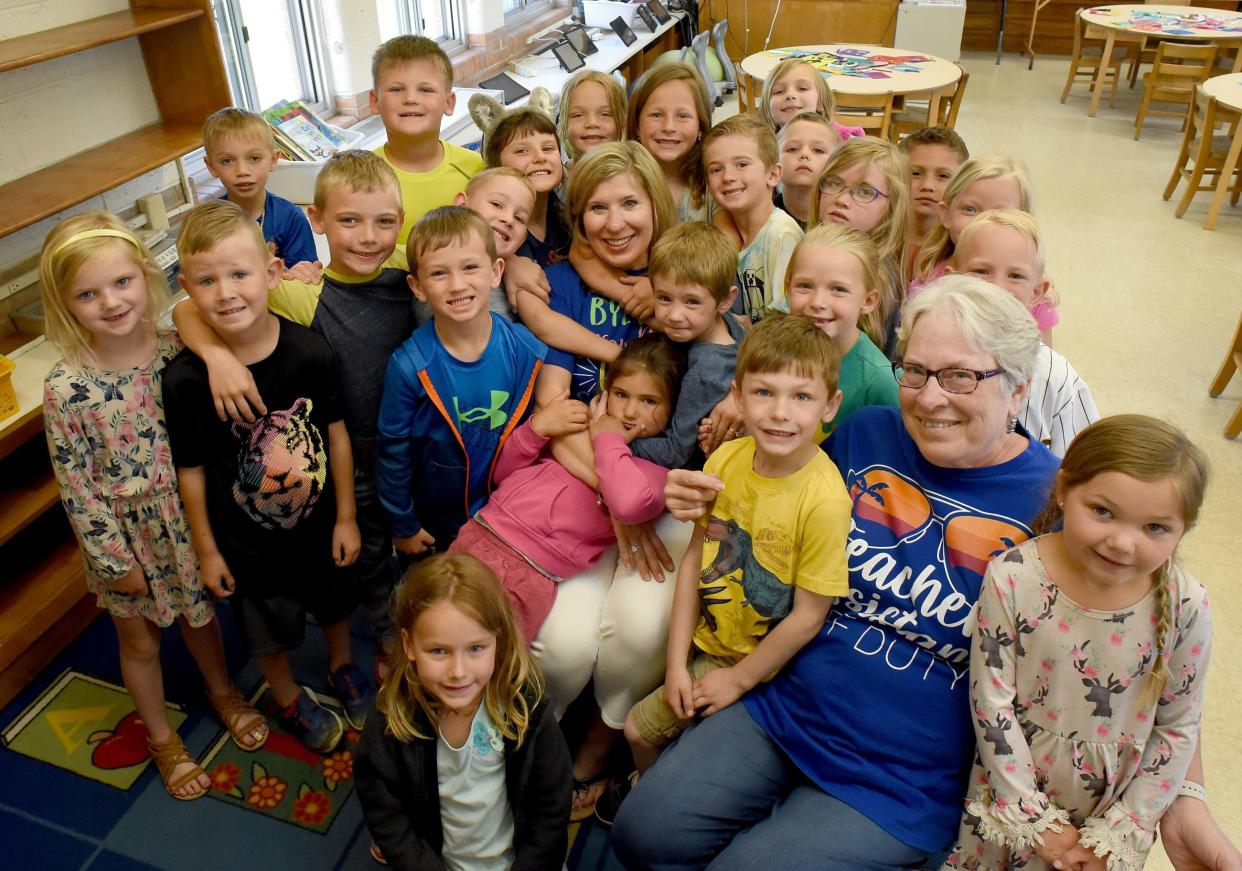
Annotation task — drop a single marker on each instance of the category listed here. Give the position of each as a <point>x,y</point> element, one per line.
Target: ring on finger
<point>635,548</point>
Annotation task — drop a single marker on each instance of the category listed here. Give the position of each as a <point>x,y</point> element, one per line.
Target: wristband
<point>1194,790</point>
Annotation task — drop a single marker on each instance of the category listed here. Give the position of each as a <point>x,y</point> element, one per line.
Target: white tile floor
<point>1149,305</point>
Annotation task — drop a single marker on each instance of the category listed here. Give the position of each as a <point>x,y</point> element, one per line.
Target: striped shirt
<point>1059,403</point>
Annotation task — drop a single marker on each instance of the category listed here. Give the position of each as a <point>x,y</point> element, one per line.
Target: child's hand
<point>216,575</point>
<point>420,542</point>
<point>523,275</point>
<point>232,388</point>
<point>1080,858</point>
<point>346,543</point>
<point>724,423</point>
<point>678,692</point>
<point>640,302</point>
<point>562,416</point>
<point>1055,844</point>
<point>133,583</point>
<point>306,271</point>
<point>718,689</point>
<point>607,423</point>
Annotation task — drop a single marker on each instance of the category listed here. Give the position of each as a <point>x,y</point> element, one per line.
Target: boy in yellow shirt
<point>412,91</point>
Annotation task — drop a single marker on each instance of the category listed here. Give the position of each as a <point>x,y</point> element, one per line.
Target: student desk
<point>863,70</point>
<point>1228,92</point>
<point>1182,23</point>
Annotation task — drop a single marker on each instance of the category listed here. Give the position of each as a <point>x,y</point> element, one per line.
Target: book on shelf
<point>300,135</point>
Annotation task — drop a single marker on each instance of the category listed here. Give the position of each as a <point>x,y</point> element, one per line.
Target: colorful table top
<point>863,69</point>
<point>1186,22</point>
<point>1226,89</point>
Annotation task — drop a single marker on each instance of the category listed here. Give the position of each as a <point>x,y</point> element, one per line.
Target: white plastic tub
<point>600,13</point>
<point>295,179</point>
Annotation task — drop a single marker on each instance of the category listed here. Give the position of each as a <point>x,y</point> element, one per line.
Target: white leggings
<point>610,624</point>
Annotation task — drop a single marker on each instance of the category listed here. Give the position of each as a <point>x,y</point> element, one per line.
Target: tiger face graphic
<point>281,467</point>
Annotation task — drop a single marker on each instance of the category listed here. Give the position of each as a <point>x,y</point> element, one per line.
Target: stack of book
<point>299,134</point>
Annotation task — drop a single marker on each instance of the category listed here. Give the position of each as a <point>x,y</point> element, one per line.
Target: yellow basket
<point>8,395</point>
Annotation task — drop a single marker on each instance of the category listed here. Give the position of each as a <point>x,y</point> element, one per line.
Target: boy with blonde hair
<point>362,309</point>
<point>270,502</point>
<point>764,567</point>
<point>412,91</point>
<point>743,170</point>
<point>455,390</point>
<point>241,153</point>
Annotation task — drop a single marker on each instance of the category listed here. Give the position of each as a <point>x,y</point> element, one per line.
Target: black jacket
<point>397,785</point>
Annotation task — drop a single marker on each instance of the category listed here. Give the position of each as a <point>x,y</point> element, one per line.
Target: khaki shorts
<point>656,722</point>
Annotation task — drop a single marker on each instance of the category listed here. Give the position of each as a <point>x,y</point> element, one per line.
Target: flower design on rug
<point>224,778</point>
<point>337,767</point>
<point>312,807</point>
<point>267,791</point>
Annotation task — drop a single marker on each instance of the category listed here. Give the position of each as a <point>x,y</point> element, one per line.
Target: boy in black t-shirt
<point>270,502</point>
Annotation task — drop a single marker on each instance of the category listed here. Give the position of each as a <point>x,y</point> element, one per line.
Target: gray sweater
<point>709,372</point>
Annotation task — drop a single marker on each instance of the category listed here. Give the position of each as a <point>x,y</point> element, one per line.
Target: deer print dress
<point>1064,734</point>
<point>109,447</point>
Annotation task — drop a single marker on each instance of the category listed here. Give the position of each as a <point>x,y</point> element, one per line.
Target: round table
<point>1228,92</point>
<point>1182,23</point>
<point>863,70</point>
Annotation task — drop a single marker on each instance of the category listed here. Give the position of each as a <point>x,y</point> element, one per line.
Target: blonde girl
<point>866,185</point>
<point>834,279</point>
<point>462,765</point>
<point>1088,661</point>
<point>669,112</point>
<point>981,184</point>
<point>805,144</point>
<point>794,87</point>
<point>104,416</point>
<point>591,112</point>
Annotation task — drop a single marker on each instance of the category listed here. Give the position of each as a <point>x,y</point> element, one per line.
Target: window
<point>441,20</point>
<point>273,50</point>
<point>518,7</point>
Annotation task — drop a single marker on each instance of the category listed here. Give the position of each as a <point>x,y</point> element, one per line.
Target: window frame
<point>409,11</point>
<point>525,9</point>
<point>309,48</point>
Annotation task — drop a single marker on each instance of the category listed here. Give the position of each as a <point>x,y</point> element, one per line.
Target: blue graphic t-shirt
<point>602,316</point>
<point>875,709</point>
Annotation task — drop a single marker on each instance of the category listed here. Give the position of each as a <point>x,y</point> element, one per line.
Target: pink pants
<point>530,591</point>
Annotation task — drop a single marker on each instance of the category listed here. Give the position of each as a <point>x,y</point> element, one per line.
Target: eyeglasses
<point>862,194</point>
<point>914,376</point>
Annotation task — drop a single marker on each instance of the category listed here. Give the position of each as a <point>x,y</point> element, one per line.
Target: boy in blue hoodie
<point>455,390</point>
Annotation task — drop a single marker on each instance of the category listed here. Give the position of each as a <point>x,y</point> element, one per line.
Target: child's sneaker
<point>314,725</point>
<point>354,691</point>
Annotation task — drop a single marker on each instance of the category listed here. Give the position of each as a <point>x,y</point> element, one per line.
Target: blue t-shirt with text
<point>602,316</point>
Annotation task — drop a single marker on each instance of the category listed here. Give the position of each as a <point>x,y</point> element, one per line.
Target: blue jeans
<point>726,797</point>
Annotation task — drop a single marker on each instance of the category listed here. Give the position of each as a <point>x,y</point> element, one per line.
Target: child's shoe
<point>354,691</point>
<point>610,802</point>
<point>314,725</point>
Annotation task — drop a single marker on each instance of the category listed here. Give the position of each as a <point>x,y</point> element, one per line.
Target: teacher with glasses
<point>856,755</point>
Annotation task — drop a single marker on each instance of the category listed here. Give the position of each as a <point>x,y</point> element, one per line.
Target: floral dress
<point>109,447</point>
<point>1064,731</point>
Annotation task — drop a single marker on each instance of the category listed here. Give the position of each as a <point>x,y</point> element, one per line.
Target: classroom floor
<point>1149,305</point>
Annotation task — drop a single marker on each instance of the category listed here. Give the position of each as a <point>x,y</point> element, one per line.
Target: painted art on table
<point>857,62</point>
<point>1170,23</point>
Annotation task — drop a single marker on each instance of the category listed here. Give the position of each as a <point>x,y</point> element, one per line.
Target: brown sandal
<point>240,718</point>
<point>167,755</point>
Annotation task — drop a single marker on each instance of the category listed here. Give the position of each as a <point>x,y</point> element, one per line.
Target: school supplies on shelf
<point>300,135</point>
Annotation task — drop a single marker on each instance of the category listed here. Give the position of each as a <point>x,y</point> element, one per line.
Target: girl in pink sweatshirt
<point>543,524</point>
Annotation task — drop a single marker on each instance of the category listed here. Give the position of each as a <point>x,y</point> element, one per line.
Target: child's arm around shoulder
<point>384,795</point>
<point>232,386</point>
<point>395,462</point>
<point>633,292</point>
<point>547,801</point>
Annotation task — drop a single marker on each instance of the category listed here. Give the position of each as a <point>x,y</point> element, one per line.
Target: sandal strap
<point>167,755</point>
<point>240,717</point>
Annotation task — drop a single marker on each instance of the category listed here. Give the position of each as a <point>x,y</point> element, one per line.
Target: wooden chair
<point>917,114</point>
<point>1233,360</point>
<point>1203,153</point>
<point>872,112</point>
<point>1088,53</point>
<point>1177,69</point>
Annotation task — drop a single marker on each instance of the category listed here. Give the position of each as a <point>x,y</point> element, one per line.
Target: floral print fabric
<point>1065,731</point>
<point>110,453</point>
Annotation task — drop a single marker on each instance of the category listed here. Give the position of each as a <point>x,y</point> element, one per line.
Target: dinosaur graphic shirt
<point>268,481</point>
<point>764,537</point>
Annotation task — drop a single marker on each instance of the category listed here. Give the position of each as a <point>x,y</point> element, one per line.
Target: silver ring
<point>635,548</point>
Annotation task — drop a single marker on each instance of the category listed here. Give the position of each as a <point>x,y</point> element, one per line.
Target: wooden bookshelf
<point>83,35</point>
<point>89,173</point>
<point>43,599</point>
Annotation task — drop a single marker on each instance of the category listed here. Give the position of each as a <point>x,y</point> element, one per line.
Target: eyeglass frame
<point>981,375</point>
<point>853,191</point>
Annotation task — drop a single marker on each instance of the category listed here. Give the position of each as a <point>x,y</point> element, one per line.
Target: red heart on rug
<point>123,746</point>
